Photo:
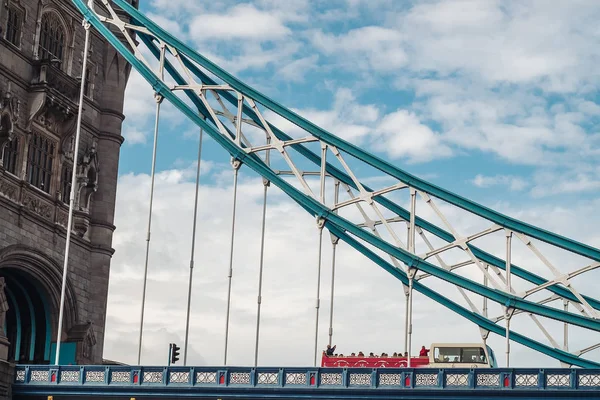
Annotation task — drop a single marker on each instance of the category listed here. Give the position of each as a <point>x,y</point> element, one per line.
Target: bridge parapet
<point>96,377</point>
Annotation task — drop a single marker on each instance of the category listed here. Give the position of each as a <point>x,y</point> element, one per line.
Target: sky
<point>496,101</point>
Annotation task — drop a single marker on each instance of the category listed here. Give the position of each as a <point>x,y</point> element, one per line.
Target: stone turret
<point>41,58</point>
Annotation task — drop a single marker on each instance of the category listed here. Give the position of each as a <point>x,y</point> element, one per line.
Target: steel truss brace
<point>339,226</point>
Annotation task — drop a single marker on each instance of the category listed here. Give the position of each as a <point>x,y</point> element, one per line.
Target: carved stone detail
<point>9,191</point>
<point>10,107</point>
<point>87,177</point>
<point>53,101</point>
<point>84,335</point>
<point>81,223</point>
<point>62,218</point>
<point>38,206</point>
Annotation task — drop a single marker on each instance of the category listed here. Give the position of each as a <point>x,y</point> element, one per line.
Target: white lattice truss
<point>240,120</point>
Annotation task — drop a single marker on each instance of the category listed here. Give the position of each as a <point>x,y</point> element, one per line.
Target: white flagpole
<point>86,26</point>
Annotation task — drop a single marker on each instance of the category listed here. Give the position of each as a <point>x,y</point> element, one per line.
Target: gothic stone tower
<point>41,53</point>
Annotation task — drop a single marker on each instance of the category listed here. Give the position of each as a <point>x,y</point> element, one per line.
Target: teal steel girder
<point>31,316</point>
<point>335,223</point>
<point>346,179</point>
<point>343,177</point>
<point>18,321</point>
<point>382,165</point>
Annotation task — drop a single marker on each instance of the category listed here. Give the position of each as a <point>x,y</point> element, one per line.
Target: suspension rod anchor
<point>334,239</point>
<point>235,163</point>
<point>320,223</point>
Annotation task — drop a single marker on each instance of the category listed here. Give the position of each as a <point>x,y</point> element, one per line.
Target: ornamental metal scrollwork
<point>268,378</point>
<point>179,377</point>
<point>331,379</point>
<point>526,380</point>
<point>120,376</point>
<point>239,378</point>
<point>426,379</point>
<point>153,376</point>
<point>206,377</point>
<point>69,376</point>
<point>295,378</point>
<point>20,375</point>
<point>488,380</point>
<point>558,380</point>
<point>360,379</point>
<point>94,376</point>
<point>588,380</point>
<point>457,379</point>
<point>389,380</point>
<point>39,376</point>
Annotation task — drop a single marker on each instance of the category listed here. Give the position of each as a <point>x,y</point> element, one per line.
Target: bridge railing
<point>315,378</point>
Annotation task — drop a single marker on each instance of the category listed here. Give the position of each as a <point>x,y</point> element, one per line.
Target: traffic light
<point>174,353</point>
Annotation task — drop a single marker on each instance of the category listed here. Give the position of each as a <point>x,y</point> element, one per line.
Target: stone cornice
<point>118,114</point>
<point>111,137</point>
<point>103,224</point>
<point>108,251</point>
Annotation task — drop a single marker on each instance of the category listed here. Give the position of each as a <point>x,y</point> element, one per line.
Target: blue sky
<point>502,88</point>
<point>497,101</point>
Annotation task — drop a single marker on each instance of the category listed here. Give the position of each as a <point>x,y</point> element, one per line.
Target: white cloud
<point>243,21</point>
<point>401,134</point>
<point>295,70</point>
<point>553,183</point>
<point>371,47</point>
<point>480,72</point>
<point>515,183</point>
<point>133,136</point>
<point>368,301</point>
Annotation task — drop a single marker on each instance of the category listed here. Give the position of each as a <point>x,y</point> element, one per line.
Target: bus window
<point>466,355</point>
<point>446,354</point>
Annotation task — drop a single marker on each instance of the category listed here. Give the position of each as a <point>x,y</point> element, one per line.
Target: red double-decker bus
<point>441,355</point>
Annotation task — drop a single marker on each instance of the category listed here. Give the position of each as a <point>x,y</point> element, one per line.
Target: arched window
<point>52,38</point>
<point>9,156</point>
<point>39,163</point>
<point>14,23</point>
<point>66,183</point>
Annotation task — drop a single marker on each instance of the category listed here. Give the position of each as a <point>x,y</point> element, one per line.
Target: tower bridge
<point>59,141</point>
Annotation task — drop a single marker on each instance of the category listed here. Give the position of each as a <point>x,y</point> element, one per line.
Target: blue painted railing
<point>122,377</point>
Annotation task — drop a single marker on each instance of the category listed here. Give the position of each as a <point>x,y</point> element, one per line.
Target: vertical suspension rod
<point>405,319</point>
<point>320,224</point>
<point>411,271</point>
<point>236,165</point>
<point>334,242</point>
<point>485,302</point>
<point>86,46</point>
<point>158,98</point>
<point>266,184</point>
<point>566,327</point>
<point>318,300</point>
<point>192,252</point>
<point>509,289</point>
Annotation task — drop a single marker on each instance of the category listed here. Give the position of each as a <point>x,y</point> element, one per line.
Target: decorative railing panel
<point>314,378</point>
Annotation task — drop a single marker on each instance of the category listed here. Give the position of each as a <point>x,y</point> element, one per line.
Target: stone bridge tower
<point>41,50</point>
